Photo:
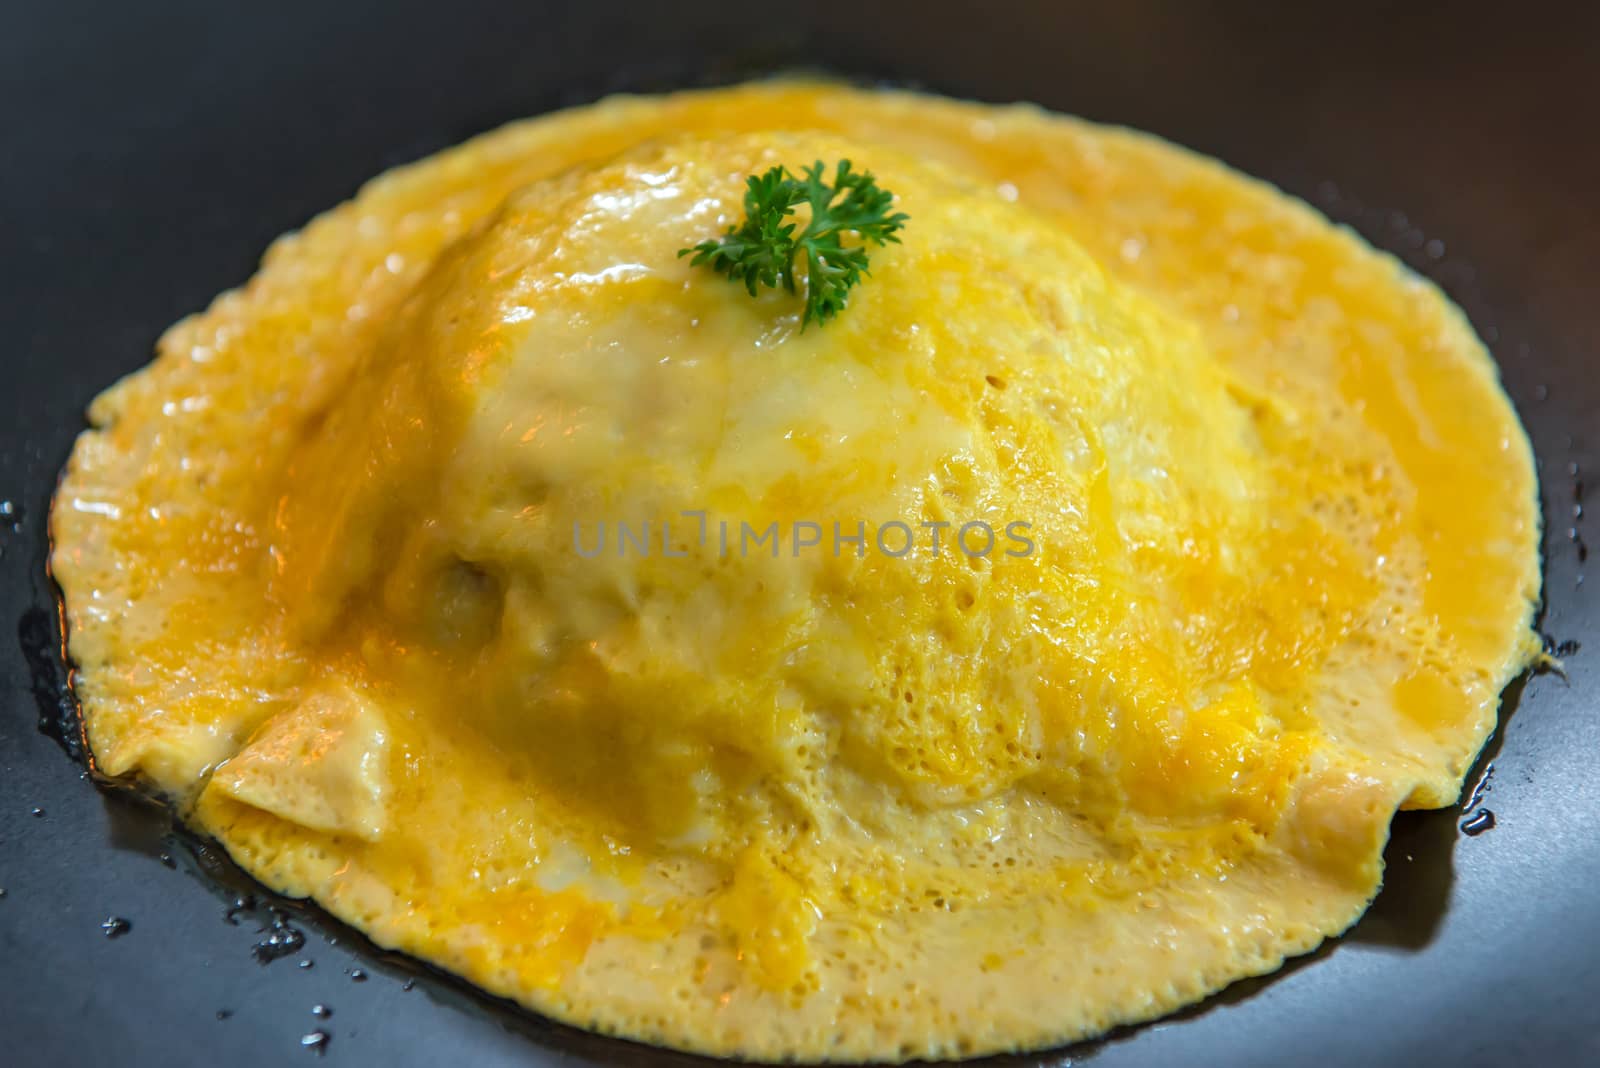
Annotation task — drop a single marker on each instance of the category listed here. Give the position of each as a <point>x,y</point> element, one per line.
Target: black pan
<point>150,155</point>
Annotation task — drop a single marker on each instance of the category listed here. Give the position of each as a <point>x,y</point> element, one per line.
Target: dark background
<point>150,155</point>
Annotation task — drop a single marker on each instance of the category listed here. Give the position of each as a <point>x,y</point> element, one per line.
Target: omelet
<point>1040,645</point>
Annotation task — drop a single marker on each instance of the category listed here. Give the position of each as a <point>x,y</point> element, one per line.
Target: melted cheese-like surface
<point>406,571</point>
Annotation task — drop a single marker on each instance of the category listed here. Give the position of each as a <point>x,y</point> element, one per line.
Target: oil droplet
<point>1485,784</point>
<point>115,926</point>
<point>410,984</point>
<point>240,904</point>
<point>167,861</point>
<point>223,1014</point>
<point>321,1010</point>
<point>308,964</point>
<point>36,812</point>
<point>282,940</point>
<point>356,975</point>
<point>316,1040</point>
<point>1475,824</point>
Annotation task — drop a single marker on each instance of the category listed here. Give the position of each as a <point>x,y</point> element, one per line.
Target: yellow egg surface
<point>553,610</point>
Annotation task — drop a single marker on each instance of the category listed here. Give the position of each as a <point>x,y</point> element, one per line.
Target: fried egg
<point>406,573</point>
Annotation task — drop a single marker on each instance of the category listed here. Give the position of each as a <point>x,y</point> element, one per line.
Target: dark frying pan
<point>150,155</point>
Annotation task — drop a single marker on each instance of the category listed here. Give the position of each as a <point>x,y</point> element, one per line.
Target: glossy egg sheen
<point>332,585</point>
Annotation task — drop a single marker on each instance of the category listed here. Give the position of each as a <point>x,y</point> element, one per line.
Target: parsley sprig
<point>761,250</point>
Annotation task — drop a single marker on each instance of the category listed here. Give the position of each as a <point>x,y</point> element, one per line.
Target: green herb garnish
<point>761,250</point>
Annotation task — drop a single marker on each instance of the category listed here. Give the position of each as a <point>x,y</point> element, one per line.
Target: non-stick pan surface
<point>148,154</point>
